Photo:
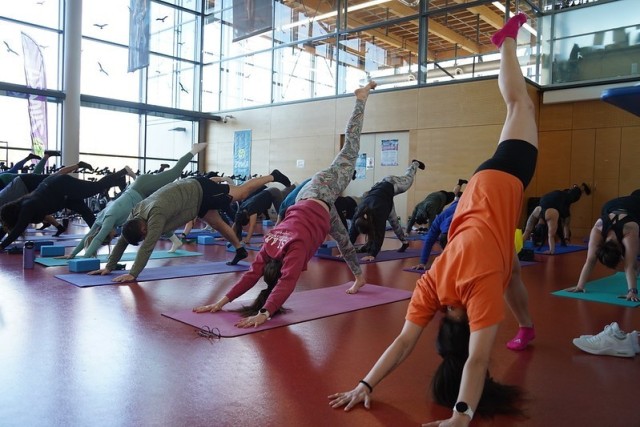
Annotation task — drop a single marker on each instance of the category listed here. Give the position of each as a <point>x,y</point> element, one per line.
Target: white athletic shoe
<point>634,341</point>
<point>610,342</point>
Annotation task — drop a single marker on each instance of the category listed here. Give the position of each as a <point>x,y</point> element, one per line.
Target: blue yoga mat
<point>382,256</point>
<point>127,256</point>
<point>301,307</point>
<point>559,249</point>
<point>82,280</point>
<point>607,290</point>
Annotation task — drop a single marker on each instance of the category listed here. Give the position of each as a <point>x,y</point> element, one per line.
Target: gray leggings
<point>147,184</point>
<point>329,183</point>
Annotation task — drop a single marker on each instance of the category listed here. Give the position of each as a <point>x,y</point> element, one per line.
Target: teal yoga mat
<point>606,290</point>
<point>127,256</point>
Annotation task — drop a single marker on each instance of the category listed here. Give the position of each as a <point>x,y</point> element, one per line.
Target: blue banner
<point>242,153</point>
<point>139,35</point>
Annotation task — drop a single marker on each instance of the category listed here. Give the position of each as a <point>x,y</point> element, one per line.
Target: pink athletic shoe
<point>522,339</point>
<point>510,29</point>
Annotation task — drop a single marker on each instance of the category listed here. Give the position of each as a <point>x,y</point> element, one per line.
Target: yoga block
<point>324,250</point>
<point>38,244</point>
<point>268,223</point>
<point>205,240</point>
<point>51,250</point>
<point>82,265</point>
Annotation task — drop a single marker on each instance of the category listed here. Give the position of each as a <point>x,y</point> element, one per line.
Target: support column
<point>71,82</point>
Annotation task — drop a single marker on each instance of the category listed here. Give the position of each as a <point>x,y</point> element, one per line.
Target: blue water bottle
<point>29,254</point>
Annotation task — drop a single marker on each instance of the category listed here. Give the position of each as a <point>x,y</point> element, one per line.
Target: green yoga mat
<point>606,290</point>
<point>127,256</point>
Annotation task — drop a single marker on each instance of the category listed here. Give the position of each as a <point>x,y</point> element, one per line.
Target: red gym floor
<point>105,356</point>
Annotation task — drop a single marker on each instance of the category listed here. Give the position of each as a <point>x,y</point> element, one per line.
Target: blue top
<point>440,225</point>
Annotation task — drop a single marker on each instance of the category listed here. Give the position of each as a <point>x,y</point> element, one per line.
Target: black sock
<point>241,253</point>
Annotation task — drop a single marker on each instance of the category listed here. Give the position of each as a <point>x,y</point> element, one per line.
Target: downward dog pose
<point>614,237</point>
<point>554,211</point>
<point>439,228</point>
<point>116,212</point>
<point>376,208</point>
<point>426,211</point>
<point>55,193</point>
<point>288,246</point>
<point>173,206</point>
<point>468,280</point>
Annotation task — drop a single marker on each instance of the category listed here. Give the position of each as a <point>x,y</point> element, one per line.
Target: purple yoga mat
<point>382,256</point>
<point>83,280</point>
<point>302,306</point>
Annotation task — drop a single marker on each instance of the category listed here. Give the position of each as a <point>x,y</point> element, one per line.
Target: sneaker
<point>633,335</point>
<point>403,248</point>
<point>610,342</point>
<point>280,177</point>
<point>33,156</point>
<point>52,153</point>
<point>421,165</point>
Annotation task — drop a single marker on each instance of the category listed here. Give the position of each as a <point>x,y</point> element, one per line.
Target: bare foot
<point>362,93</point>
<point>130,172</point>
<point>198,147</point>
<point>355,288</point>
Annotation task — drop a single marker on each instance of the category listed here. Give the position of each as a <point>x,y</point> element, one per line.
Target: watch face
<point>462,407</point>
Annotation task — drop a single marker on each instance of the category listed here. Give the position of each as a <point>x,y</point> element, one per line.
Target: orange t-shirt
<point>475,268</point>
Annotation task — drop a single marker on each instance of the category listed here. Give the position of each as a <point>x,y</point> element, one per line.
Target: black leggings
<point>516,157</point>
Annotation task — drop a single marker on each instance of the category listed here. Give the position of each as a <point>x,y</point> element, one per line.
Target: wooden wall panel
<point>629,160</point>
<point>554,167</point>
<point>304,119</point>
<point>461,104</point>
<point>607,154</point>
<point>556,117</point>
<point>582,170</point>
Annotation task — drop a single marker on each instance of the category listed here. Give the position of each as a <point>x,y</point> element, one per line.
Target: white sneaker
<point>610,342</point>
<point>634,341</point>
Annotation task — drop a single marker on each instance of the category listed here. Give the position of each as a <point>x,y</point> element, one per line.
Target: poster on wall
<point>389,152</point>
<point>361,166</point>
<point>242,153</point>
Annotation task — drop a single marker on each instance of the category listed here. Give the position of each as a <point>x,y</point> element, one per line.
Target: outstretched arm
<point>252,225</point>
<point>393,356</point>
<point>595,238</point>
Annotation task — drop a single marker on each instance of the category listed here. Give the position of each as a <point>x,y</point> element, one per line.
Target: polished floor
<point>105,356</point>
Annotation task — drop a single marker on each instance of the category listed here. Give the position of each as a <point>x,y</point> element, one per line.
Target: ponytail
<point>271,274</point>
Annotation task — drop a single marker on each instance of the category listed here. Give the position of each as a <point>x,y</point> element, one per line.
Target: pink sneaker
<point>510,29</point>
<point>522,339</point>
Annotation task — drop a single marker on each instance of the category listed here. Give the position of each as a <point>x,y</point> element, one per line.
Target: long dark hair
<point>271,274</point>
<point>365,225</point>
<point>609,254</point>
<point>453,346</point>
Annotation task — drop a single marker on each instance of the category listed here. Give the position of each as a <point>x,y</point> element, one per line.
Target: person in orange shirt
<point>471,279</point>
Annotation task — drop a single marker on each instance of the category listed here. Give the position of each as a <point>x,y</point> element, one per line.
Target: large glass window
<point>13,49</point>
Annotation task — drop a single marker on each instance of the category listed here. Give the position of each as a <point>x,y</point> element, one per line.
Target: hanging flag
<point>242,153</point>
<point>251,17</point>
<point>36,79</point>
<point>138,35</point>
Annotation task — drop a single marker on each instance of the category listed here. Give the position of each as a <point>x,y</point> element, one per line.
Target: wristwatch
<point>265,312</point>
<point>463,408</point>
